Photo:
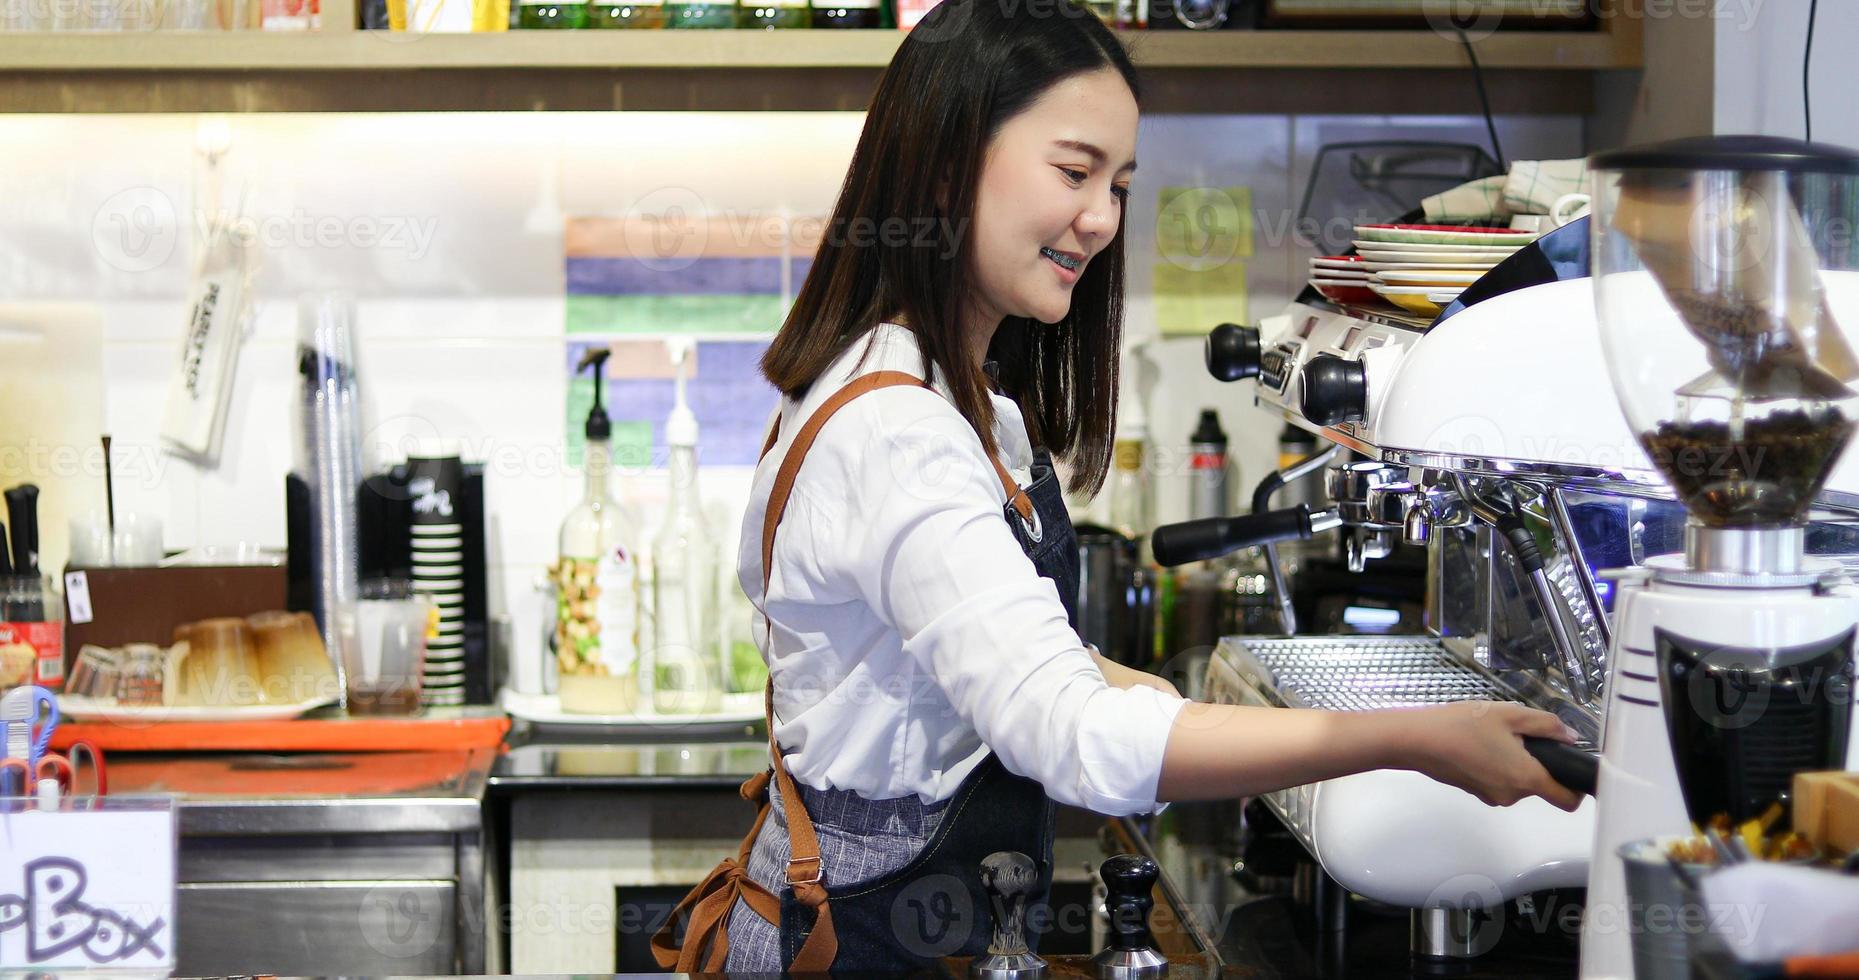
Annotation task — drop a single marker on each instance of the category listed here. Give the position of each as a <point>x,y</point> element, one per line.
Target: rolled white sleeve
<point>924,543</point>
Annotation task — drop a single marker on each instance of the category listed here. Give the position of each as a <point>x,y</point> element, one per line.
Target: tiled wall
<point>449,229</point>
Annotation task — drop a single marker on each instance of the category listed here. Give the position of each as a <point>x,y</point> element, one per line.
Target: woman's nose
<point>1098,221</point>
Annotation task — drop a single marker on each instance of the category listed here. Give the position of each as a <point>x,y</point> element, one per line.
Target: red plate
<point>1348,295</point>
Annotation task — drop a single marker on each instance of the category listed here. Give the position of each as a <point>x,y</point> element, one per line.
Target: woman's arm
<point>1220,751</point>
<point>1123,678</point>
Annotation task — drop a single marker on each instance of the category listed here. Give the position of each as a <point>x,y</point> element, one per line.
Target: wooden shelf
<point>728,50</point>
<point>337,70</point>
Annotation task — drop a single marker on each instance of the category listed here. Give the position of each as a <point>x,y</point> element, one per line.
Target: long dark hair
<point>897,243</point>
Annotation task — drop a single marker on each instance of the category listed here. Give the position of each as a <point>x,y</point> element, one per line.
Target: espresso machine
<point>1490,437</point>
<point>1727,290</point>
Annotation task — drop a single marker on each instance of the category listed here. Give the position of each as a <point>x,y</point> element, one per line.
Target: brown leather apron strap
<point>708,906</point>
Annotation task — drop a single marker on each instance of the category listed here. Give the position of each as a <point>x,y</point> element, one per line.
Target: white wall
<point>1758,69</point>
<point>462,313</point>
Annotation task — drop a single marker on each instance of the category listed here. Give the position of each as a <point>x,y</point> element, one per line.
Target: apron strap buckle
<point>796,868</point>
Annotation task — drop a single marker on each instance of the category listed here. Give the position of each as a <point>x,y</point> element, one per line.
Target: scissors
<point>19,711</point>
<point>65,768</point>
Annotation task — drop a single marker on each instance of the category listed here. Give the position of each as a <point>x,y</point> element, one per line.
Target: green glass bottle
<point>851,14</point>
<point>773,15</point>
<point>626,14</point>
<point>551,15</point>
<point>700,15</point>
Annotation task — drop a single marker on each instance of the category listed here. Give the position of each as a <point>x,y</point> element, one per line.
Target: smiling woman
<point>1011,128</point>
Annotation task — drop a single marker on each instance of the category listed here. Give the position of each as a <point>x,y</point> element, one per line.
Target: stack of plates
<point>1421,268</point>
<point>1343,279</point>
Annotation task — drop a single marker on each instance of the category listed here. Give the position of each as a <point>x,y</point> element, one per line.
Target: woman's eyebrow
<point>1090,150</point>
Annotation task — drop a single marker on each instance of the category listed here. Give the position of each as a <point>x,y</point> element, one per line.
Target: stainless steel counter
<point>319,864</point>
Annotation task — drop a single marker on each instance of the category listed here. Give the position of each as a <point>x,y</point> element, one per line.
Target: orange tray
<point>293,735</point>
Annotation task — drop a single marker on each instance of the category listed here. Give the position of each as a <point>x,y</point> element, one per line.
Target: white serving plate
<point>1362,243</point>
<point>1462,260</point>
<point>1427,277</point>
<point>80,708</point>
<point>546,709</point>
<point>1444,236</point>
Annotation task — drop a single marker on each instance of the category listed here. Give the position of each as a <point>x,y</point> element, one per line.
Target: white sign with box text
<point>87,889</point>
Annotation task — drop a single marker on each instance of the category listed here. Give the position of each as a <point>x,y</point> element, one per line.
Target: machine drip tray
<point>1357,673</point>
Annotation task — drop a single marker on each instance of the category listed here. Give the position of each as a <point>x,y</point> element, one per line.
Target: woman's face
<point>1051,197</point>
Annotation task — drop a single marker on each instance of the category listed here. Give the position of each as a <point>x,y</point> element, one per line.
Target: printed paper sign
<point>86,889</point>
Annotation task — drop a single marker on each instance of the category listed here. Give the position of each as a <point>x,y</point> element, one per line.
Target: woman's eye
<point>1122,192</point>
<point>1075,176</point>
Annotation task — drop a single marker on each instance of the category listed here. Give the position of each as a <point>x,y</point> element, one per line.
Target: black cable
<point>1484,100</point>
<point>1807,58</point>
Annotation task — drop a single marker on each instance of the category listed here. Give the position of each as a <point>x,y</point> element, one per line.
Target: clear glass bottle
<point>1131,510</point>
<point>682,665</point>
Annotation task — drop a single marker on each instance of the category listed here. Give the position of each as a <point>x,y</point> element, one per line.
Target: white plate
<point>1427,277</point>
<point>546,709</point>
<point>80,708</point>
<point>1464,260</point>
<point>1361,243</point>
<point>1433,236</point>
<point>1334,264</point>
<point>1338,276</point>
<point>1413,291</point>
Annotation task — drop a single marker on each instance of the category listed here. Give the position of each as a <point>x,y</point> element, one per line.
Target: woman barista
<point>909,551</point>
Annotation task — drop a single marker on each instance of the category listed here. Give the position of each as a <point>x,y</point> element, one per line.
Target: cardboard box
<point>1826,810</point>
<point>144,605</point>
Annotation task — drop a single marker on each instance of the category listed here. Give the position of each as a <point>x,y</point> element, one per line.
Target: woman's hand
<point>1478,747</point>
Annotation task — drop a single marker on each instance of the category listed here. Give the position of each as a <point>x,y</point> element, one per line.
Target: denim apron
<point>894,884</point>
<point>904,877</point>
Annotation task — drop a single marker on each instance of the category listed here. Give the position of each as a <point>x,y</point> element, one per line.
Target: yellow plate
<point>1414,303</point>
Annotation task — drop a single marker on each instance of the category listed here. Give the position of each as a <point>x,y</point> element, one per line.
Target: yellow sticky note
<point>1194,301</point>
<point>1202,227</point>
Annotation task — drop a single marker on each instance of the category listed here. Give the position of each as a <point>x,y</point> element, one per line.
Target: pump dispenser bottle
<point>596,636</point>
<point>683,667</point>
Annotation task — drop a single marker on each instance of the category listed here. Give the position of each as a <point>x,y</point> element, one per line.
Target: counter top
<point>253,793</point>
<point>564,762</point>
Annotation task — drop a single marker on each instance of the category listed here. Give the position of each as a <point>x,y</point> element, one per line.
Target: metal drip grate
<point>1361,673</point>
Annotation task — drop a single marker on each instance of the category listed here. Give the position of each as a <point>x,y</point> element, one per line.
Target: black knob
<point>1233,352</point>
<point>1129,880</point>
<point>1334,390</point>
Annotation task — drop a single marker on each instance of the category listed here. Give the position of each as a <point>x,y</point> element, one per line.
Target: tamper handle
<point>1130,882</point>
<point>1009,878</point>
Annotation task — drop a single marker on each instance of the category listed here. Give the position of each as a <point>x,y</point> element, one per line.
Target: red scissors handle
<point>56,768</point>
<point>92,757</point>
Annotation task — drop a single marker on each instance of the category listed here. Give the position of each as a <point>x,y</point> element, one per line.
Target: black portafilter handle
<point>1211,537</point>
<point>1571,765</point>
<point>1232,352</point>
<point>1129,882</point>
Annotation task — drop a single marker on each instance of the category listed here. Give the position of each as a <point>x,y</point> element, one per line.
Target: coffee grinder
<point>1727,288</point>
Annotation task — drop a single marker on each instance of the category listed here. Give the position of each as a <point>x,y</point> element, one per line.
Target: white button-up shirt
<point>911,633</point>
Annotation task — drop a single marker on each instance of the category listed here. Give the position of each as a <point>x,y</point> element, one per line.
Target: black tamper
<point>1129,880</point>
<point>1010,879</point>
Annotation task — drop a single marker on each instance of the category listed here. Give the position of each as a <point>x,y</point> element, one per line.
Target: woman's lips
<point>1066,275</point>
